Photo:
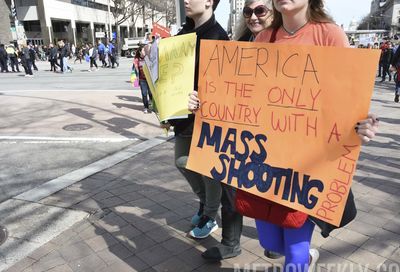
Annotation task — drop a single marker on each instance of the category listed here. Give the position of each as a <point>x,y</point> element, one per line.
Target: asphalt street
<point>55,123</point>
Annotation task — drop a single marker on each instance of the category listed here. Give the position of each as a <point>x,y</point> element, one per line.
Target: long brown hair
<point>315,13</point>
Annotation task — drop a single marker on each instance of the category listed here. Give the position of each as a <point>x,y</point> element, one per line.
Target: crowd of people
<point>58,55</point>
<point>389,65</point>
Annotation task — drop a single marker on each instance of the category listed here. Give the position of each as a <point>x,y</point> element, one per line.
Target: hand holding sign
<point>194,102</point>
<point>367,128</point>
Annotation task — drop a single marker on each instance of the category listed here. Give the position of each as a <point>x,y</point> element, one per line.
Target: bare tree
<point>170,12</point>
<point>153,10</point>
<point>121,11</point>
<point>162,9</point>
<point>373,22</point>
<point>137,11</point>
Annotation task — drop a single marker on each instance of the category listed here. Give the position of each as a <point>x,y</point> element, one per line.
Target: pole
<point>180,12</point>
<point>109,21</point>
<point>16,23</point>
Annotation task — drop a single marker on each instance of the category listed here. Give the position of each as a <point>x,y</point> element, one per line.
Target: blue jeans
<point>65,64</point>
<point>144,87</point>
<point>208,190</point>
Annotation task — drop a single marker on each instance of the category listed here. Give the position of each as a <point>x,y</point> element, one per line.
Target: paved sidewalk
<point>140,213</point>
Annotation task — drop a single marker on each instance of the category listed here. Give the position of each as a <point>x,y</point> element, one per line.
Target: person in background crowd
<point>12,55</point>
<point>395,66</point>
<point>101,51</point>
<point>73,50</point>
<point>3,59</point>
<point>33,54</point>
<point>386,58</point>
<point>26,61</point>
<point>144,87</point>
<point>43,53</point>
<point>112,54</point>
<point>53,55</point>
<point>93,53</point>
<point>79,54</point>
<point>380,68</point>
<point>64,55</point>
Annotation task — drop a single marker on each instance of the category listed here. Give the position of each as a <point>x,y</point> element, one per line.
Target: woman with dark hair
<point>256,16</point>
<point>144,87</point>
<point>305,22</point>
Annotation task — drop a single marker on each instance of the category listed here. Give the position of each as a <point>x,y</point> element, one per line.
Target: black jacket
<point>3,53</point>
<point>350,212</point>
<point>210,30</point>
<point>247,36</point>
<point>53,53</point>
<point>386,55</point>
<point>395,61</point>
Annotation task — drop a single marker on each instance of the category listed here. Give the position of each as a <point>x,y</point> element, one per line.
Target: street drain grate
<point>77,127</point>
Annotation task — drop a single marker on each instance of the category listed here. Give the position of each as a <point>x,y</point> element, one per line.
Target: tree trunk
<point>118,39</point>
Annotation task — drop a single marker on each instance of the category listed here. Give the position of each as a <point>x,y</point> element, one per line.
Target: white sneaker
<point>314,255</point>
<point>89,70</point>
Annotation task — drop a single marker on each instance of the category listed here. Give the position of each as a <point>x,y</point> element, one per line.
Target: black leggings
<point>93,62</point>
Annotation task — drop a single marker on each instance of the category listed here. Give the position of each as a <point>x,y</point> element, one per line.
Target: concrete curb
<point>66,180</point>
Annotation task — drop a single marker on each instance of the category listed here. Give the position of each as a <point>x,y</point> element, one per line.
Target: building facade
<point>78,21</point>
<point>5,25</point>
<point>388,14</point>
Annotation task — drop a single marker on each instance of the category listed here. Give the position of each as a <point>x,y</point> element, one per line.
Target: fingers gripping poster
<point>279,121</point>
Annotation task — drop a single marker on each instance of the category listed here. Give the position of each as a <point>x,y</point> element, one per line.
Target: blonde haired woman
<point>256,16</point>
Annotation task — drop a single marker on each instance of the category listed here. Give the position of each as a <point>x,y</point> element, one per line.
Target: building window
<point>32,26</point>
<point>91,4</point>
<point>60,26</point>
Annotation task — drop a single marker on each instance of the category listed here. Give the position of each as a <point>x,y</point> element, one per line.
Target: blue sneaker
<point>205,227</point>
<point>196,219</point>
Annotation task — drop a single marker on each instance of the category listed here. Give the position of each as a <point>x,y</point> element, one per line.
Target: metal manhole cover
<point>77,127</point>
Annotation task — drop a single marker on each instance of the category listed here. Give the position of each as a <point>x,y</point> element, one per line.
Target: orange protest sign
<point>161,31</point>
<point>278,121</point>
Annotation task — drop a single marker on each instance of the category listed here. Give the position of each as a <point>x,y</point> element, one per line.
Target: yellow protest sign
<point>176,76</point>
<point>278,121</point>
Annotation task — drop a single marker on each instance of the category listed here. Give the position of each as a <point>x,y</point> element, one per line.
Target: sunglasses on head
<point>259,11</point>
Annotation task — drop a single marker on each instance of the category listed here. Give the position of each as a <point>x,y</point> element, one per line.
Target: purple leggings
<point>293,243</point>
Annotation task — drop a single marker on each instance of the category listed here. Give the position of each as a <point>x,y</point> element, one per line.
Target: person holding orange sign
<point>302,22</point>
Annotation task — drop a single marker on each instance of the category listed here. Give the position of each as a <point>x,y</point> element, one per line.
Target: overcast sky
<point>343,11</point>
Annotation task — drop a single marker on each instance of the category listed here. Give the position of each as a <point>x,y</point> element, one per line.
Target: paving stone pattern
<point>141,209</point>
